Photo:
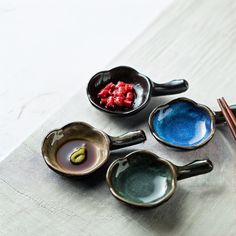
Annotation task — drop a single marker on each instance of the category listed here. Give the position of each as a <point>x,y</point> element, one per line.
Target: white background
<point>49,49</point>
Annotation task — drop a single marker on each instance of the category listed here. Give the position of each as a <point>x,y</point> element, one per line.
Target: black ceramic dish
<point>185,124</point>
<point>143,86</point>
<point>145,180</point>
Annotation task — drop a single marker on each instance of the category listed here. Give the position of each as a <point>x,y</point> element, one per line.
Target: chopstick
<point>228,114</point>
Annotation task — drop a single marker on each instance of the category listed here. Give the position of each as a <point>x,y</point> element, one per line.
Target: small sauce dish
<point>144,88</point>
<point>60,144</point>
<point>143,179</point>
<point>183,123</point>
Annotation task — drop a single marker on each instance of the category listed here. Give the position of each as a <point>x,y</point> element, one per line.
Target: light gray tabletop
<point>194,40</point>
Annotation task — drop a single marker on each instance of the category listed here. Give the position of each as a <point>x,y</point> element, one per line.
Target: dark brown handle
<point>172,87</point>
<point>220,117</point>
<point>128,139</point>
<point>194,168</point>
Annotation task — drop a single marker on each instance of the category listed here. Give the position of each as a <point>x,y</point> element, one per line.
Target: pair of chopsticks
<point>228,114</point>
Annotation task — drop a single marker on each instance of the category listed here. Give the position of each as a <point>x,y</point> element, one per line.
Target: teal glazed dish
<point>143,87</point>
<point>143,179</point>
<point>183,123</point>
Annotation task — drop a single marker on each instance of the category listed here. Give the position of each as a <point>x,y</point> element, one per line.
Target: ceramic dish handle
<point>128,139</point>
<point>172,87</point>
<point>197,167</point>
<point>219,115</point>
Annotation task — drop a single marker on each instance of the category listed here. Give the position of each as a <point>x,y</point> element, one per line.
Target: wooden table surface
<point>194,40</point>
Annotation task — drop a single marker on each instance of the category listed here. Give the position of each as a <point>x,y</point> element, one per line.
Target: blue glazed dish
<point>182,123</point>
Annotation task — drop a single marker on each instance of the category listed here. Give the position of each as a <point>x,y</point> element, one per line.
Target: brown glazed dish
<point>99,142</point>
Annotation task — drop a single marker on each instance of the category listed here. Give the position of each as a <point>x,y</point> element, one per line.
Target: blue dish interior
<point>182,123</point>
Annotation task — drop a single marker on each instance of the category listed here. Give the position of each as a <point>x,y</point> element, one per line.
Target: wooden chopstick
<point>228,114</point>
<point>231,114</point>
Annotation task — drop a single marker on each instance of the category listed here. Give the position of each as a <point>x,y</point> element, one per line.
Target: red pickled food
<point>119,95</point>
<point>130,96</point>
<point>129,87</point>
<point>127,103</point>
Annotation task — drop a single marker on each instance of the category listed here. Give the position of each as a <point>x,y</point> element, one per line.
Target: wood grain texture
<point>193,40</point>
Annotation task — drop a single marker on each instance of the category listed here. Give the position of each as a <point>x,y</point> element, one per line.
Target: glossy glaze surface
<point>60,143</point>
<point>142,179</point>
<point>141,85</point>
<point>182,123</point>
